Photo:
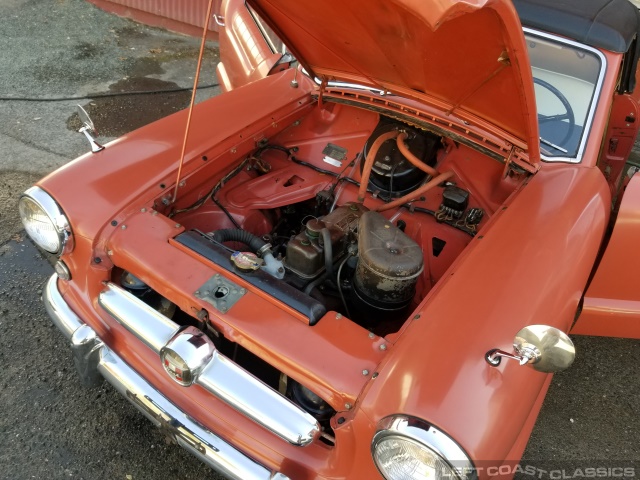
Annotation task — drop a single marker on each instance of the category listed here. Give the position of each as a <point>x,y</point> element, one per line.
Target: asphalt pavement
<point>50,426</point>
<point>52,49</point>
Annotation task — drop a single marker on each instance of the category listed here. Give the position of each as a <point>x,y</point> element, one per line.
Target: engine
<point>359,255</point>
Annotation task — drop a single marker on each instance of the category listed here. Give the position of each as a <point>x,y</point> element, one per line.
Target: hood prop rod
<point>207,19</point>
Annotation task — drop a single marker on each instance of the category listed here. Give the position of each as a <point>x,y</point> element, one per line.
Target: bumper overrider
<point>215,373</point>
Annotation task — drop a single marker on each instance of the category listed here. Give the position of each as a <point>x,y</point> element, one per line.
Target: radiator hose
<point>255,243</point>
<point>271,265</point>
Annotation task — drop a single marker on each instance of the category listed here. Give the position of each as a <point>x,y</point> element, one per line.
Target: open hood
<point>460,55</point>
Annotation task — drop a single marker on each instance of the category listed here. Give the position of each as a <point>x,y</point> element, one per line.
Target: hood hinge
<point>323,87</point>
<point>518,163</point>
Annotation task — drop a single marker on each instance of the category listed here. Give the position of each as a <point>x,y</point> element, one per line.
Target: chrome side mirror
<point>88,129</point>
<point>545,349</point>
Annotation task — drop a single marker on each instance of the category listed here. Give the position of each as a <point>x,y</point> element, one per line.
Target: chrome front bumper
<point>93,360</point>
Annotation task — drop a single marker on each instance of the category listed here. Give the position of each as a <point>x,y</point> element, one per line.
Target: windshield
<point>567,80</point>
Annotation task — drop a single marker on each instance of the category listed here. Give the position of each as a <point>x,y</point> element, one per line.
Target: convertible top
<point>608,24</point>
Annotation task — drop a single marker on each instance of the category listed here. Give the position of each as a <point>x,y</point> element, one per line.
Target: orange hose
<point>404,150</point>
<point>368,164</point>
<point>416,193</point>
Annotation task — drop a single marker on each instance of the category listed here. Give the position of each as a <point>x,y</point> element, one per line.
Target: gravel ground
<point>65,48</point>
<point>51,427</point>
<point>69,48</point>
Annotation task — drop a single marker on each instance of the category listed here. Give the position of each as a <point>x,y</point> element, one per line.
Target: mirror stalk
<point>494,357</point>
<point>95,146</point>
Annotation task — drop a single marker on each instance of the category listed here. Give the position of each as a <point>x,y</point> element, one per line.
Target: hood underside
<point>461,56</point>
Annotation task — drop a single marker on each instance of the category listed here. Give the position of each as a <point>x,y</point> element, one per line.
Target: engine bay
<point>295,208</point>
<point>345,213</point>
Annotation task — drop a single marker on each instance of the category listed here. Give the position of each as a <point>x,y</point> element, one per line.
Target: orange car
<point>324,277</point>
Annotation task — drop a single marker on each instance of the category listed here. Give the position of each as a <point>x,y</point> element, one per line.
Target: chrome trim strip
<point>586,129</point>
<point>238,388</point>
<point>220,376</point>
<point>354,86</point>
<point>145,323</point>
<point>93,358</point>
<point>60,313</point>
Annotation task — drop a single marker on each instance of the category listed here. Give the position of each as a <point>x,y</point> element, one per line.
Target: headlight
<point>408,448</point>
<point>44,221</point>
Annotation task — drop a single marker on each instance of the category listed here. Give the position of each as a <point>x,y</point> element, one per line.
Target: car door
<point>249,50</point>
<point>611,305</point>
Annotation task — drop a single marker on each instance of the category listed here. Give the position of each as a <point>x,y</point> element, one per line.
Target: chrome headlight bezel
<point>56,216</point>
<point>428,437</point>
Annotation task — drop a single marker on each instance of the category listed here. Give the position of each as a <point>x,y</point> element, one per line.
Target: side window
<point>277,45</point>
<point>566,78</point>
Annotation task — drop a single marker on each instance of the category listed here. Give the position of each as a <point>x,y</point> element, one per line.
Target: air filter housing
<point>388,268</point>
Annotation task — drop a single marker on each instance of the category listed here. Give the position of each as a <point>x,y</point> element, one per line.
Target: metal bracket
<point>517,164</point>
<point>95,146</point>
<point>323,86</point>
<point>525,353</point>
<point>220,292</point>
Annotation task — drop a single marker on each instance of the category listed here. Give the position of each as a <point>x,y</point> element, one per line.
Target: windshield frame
<point>595,100</point>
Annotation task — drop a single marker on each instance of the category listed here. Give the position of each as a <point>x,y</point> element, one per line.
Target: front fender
<point>529,266</point>
<point>143,164</point>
